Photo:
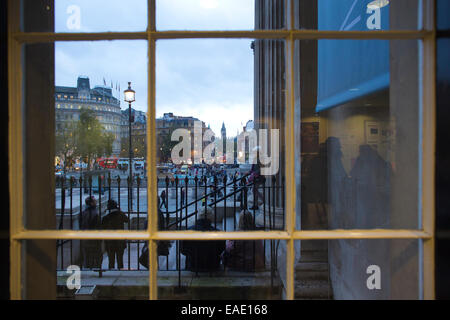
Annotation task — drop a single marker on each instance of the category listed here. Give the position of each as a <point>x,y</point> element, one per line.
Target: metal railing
<point>180,208</point>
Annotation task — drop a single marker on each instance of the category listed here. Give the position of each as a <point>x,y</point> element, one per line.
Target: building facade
<point>69,101</point>
<point>164,128</point>
<point>138,133</point>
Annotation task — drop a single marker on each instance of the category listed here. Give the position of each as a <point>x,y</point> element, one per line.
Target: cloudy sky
<point>209,79</point>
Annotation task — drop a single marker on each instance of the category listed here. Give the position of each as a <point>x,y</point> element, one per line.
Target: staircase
<point>312,272</point>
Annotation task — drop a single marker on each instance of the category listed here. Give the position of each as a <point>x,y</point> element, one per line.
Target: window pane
<point>212,124</point>
<point>442,8</point>
<point>215,15</point>
<point>85,15</point>
<point>358,137</point>
<point>243,270</point>
<point>442,170</point>
<point>358,15</point>
<point>79,147</point>
<point>358,269</point>
<point>85,270</point>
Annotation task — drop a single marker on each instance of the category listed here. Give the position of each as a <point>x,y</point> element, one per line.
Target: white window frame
<point>425,233</point>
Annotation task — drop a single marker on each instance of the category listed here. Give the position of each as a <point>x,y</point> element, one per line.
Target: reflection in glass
<point>359,134</point>
<point>357,15</point>
<point>373,269</point>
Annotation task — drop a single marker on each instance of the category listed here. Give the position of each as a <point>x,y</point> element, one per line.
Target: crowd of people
<point>201,256</point>
<point>93,250</point>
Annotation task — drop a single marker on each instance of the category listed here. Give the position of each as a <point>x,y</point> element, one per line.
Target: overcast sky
<point>209,79</point>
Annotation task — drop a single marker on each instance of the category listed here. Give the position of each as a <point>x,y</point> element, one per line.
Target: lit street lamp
<point>129,96</point>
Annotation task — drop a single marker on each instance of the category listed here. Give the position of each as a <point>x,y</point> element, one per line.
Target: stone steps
<point>219,285</point>
<point>312,289</point>
<point>311,271</point>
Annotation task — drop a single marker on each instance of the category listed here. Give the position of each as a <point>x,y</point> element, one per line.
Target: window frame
<point>425,233</point>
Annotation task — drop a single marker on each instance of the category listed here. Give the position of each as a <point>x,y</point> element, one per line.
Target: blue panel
<point>442,13</point>
<point>350,69</point>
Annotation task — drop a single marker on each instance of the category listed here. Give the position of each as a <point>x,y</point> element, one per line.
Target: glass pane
<point>215,15</point>
<point>442,8</point>
<point>358,15</point>
<point>85,16</point>
<point>78,148</point>
<point>442,169</point>
<point>231,270</point>
<point>212,125</point>
<point>85,270</point>
<point>358,134</point>
<point>358,269</point>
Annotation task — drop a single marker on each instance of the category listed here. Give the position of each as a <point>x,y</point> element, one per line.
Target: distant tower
<point>223,131</point>
<point>83,87</point>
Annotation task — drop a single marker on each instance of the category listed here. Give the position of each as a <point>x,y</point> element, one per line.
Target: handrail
<point>219,200</point>
<point>206,195</point>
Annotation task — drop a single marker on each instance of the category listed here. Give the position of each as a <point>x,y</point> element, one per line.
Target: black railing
<point>184,199</point>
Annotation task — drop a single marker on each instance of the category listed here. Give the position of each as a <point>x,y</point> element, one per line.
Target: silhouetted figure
<point>89,220</point>
<point>163,246</point>
<point>182,196</point>
<point>314,188</point>
<point>203,255</point>
<point>244,255</point>
<point>163,198</point>
<point>115,220</point>
<point>338,185</point>
<point>258,180</point>
<point>371,181</point>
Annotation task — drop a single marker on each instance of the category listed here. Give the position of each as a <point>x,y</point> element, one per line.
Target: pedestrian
<point>258,180</point>
<point>244,255</point>
<point>114,220</point>
<point>163,199</point>
<point>163,246</point>
<point>89,220</point>
<point>182,196</point>
<point>203,256</point>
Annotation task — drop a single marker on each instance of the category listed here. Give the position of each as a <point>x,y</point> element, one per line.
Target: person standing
<point>163,198</point>
<point>244,255</point>
<point>114,220</point>
<point>89,220</point>
<point>182,196</point>
<point>203,256</point>
<point>258,180</point>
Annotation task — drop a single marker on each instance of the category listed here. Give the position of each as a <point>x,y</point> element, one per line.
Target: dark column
<point>39,114</point>
<point>4,218</point>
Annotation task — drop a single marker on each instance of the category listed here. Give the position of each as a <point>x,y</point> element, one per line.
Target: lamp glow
<point>129,94</point>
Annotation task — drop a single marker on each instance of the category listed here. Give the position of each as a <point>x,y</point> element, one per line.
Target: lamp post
<point>129,96</point>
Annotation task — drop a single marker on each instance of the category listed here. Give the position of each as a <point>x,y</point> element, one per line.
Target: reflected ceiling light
<point>377,4</point>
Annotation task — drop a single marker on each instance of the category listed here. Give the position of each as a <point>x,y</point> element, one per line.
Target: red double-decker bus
<point>107,163</point>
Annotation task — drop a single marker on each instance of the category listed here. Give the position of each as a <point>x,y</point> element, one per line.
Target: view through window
<point>279,156</point>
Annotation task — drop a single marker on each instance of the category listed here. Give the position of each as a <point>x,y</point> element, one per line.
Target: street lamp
<point>129,96</point>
